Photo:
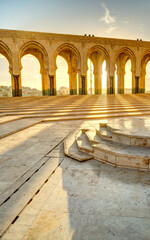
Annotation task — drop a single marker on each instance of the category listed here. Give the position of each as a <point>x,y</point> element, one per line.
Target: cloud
<point>107,18</point>
<point>110,29</point>
<point>140,28</point>
<point>125,22</point>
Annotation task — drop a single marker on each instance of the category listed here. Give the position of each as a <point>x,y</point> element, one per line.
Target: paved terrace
<point>46,195</point>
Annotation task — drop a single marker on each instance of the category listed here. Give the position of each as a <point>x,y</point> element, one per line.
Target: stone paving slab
<point>8,119</point>
<point>15,126</point>
<point>87,200</point>
<point>22,153</point>
<point>18,201</point>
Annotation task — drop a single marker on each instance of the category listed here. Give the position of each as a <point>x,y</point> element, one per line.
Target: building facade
<point>76,50</point>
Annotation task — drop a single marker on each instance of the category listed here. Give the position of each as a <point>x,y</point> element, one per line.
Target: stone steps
<point>138,135</point>
<point>77,111</point>
<point>101,146</point>
<point>122,155</point>
<point>104,133</point>
<point>92,136</point>
<point>83,143</point>
<point>6,132</point>
<point>71,148</point>
<point>66,108</point>
<point>100,116</point>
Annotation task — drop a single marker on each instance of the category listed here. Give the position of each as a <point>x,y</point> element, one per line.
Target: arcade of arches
<point>95,65</point>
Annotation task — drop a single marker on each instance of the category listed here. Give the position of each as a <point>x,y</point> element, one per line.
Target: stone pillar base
<point>73,91</point>
<point>52,90</point>
<point>16,92</point>
<point>98,91</point>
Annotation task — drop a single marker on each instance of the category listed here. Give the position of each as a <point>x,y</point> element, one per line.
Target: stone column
<point>112,84</point>
<point>110,80</point>
<point>98,76</point>
<point>44,81</point>
<point>52,85</point>
<point>72,79</point>
<point>72,71</point>
<point>142,82</point>
<point>120,75</point>
<point>16,86</point>
<point>108,86</point>
<point>15,70</point>
<point>13,85</point>
<point>111,72</point>
<point>73,82</point>
<point>83,90</point>
<point>79,82</point>
<point>98,82</point>
<point>137,84</point>
<point>48,85</point>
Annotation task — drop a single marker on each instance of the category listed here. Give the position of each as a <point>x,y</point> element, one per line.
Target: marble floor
<point>45,195</point>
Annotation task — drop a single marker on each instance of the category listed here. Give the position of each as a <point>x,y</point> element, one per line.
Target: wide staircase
<point>17,114</point>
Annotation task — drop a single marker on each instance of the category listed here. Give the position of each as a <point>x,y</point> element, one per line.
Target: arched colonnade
<point>76,55</point>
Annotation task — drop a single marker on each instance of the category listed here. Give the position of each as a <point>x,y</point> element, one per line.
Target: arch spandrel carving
<point>101,50</point>
<point>126,52</point>
<point>6,52</point>
<point>36,49</point>
<point>69,48</point>
<point>145,58</point>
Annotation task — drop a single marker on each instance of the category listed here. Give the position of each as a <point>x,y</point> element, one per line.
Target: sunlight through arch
<point>62,76</point>
<point>104,78</point>
<point>31,77</point>
<point>5,78</point>
<point>128,78</point>
<point>147,78</point>
<point>116,80</point>
<point>90,78</point>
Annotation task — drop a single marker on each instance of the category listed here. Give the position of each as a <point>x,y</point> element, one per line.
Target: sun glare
<point>104,77</point>
<point>31,77</point>
<point>128,78</point>
<point>62,76</point>
<point>116,81</point>
<point>5,77</point>
<point>90,78</point>
<point>147,78</point>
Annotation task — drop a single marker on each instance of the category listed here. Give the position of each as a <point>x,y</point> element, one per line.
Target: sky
<point>110,18</point>
<point>128,19</point>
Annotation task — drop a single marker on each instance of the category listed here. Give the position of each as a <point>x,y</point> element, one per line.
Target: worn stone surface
<point>88,201</point>
<point>80,200</point>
